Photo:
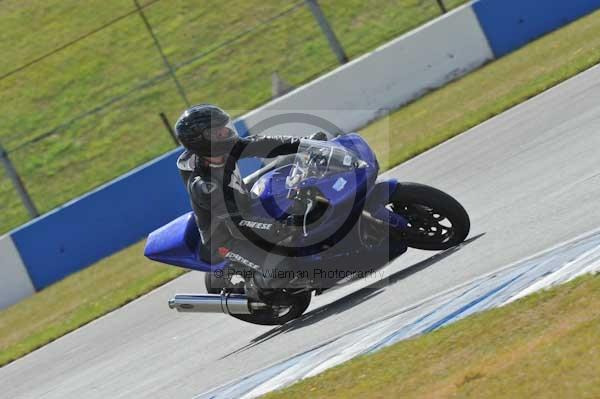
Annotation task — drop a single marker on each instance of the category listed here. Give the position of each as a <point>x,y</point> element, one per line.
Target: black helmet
<point>200,130</point>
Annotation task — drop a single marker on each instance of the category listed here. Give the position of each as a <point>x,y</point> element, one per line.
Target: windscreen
<point>317,159</point>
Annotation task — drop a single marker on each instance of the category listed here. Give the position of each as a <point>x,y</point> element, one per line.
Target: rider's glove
<point>319,136</point>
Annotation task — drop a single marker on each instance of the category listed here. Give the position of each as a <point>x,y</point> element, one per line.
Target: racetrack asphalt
<point>529,178</point>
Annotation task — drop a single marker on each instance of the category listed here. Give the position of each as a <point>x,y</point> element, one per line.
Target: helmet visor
<point>220,133</point>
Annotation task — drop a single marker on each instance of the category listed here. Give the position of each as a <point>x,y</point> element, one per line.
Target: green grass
<point>543,346</point>
<point>96,148</point>
<point>420,125</point>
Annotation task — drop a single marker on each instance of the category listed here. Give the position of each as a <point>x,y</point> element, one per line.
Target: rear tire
<point>437,220</point>
<point>268,317</point>
<point>294,307</point>
<point>209,285</point>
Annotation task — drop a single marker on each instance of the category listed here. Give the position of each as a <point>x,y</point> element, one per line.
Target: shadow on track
<point>342,304</point>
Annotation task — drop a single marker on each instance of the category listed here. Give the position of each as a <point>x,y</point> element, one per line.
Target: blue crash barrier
<point>102,222</point>
<point>510,24</point>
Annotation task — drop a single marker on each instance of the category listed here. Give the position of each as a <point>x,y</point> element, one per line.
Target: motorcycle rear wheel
<point>283,307</point>
<point>273,317</point>
<point>211,287</point>
<point>437,221</point>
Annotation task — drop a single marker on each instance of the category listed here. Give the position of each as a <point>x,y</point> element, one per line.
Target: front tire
<point>436,220</point>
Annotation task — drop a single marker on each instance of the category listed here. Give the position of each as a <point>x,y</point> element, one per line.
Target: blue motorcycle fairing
<point>273,201</point>
<point>177,243</point>
<point>356,143</point>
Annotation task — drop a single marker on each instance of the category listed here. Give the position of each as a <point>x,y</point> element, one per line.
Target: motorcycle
<point>336,215</point>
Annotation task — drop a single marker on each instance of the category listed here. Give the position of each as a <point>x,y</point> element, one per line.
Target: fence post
<point>169,128</point>
<point>162,54</point>
<point>12,174</point>
<point>332,39</point>
<point>442,6</point>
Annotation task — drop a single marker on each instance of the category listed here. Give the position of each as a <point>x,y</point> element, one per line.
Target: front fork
<point>378,215</point>
<point>387,222</point>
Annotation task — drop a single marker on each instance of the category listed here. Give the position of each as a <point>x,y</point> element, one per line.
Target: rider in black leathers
<point>217,192</point>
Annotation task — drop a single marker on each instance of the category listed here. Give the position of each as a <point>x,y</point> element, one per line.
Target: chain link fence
<point>86,108</point>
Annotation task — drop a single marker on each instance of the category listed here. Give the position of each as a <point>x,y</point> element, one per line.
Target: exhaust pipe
<point>210,303</point>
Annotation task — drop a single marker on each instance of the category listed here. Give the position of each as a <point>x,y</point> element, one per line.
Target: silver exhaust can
<point>210,303</point>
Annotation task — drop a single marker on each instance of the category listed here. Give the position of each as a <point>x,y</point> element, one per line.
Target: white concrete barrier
<point>15,283</point>
<point>392,75</point>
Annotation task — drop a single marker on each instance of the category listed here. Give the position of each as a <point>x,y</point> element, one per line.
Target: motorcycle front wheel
<point>436,220</point>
